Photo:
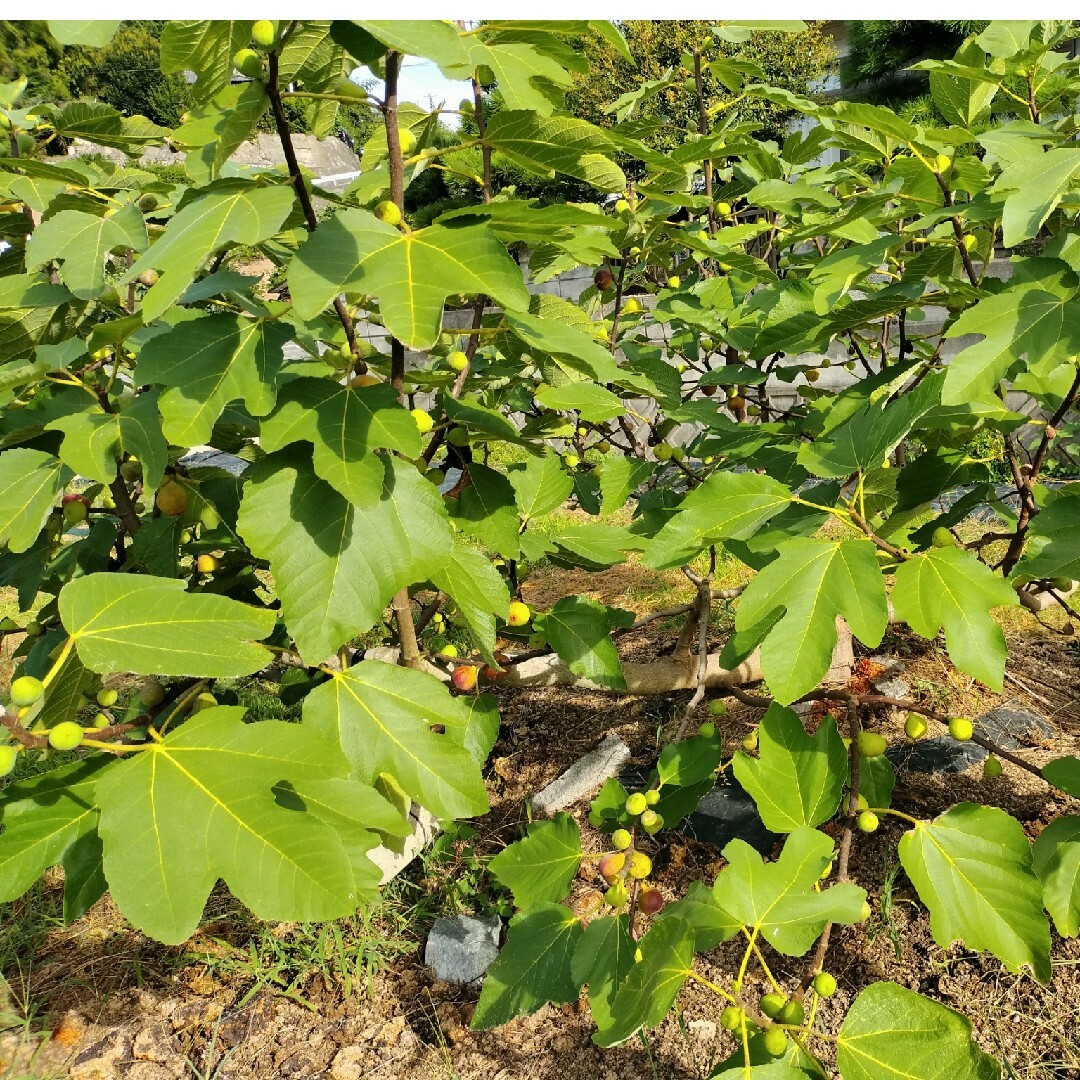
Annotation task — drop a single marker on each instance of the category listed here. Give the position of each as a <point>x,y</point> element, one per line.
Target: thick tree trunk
<point>654,677</point>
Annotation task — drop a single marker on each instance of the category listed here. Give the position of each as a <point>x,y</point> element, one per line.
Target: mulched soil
<point>123,1006</point>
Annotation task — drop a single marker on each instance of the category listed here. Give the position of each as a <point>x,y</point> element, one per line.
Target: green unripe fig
<point>621,839</point>
<point>866,911</point>
<point>824,984</point>
<point>621,206</point>
<point>943,538</point>
<point>631,306</point>
<point>663,452</point>
<point>943,163</point>
<point>148,202</point>
<point>674,281</point>
<point>751,741</point>
<point>345,350</point>
<point>595,820</point>
<point>915,726</point>
<point>457,361</point>
<point>458,436</point>
<point>640,865</point>
<point>992,767</point>
<point>774,1040</point>
<point>248,62</point>
<point>571,461</point>
<point>1061,584</point>
<point>264,33</point>
<point>407,141</point>
<point>635,804</point>
<point>731,1018</point>
<point>34,628</point>
<point>26,690</point>
<point>617,895</point>
<point>792,1013</point>
<point>871,744</point>
<point>66,736</point>
<point>652,796</point>
<point>603,446</point>
<point>106,697</point>
<point>131,471</point>
<point>151,693</point>
<point>101,721</point>
<point>436,477</point>
<point>651,822</point>
<point>723,209</point>
<point>971,242</point>
<point>867,821</point>
<point>9,755</point>
<point>771,1004</point>
<point>203,701</point>
<point>717,707</point>
<point>678,453</point>
<point>450,650</point>
<point>149,278</point>
<point>961,729</point>
<point>707,730</point>
<point>389,212</point>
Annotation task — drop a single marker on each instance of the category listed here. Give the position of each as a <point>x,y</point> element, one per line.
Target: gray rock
<point>462,947</point>
<point>1012,728</point>
<point>893,686</point>
<point>944,755</point>
<point>889,665</point>
<point>728,813</point>
<point>584,777</point>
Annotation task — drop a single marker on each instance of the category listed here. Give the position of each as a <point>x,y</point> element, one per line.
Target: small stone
<point>893,687</point>
<point>349,1064</point>
<point>101,1061</point>
<point>704,1030</point>
<point>1011,728</point>
<point>154,1042</point>
<point>944,755</point>
<point>586,776</point>
<point>461,948</point>
<point>728,813</point>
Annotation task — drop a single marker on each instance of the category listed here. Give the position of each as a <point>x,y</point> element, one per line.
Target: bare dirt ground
<point>119,1005</point>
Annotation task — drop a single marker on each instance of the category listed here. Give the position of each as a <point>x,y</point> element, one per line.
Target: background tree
<point>795,62</point>
<point>881,50</point>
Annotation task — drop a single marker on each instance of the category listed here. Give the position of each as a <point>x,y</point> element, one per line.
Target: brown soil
<point>124,1006</point>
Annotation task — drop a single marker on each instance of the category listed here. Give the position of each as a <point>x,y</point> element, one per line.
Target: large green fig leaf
<point>410,273</point>
<point>83,242</point>
<point>478,589</point>
<point>225,212</point>
<point>1052,549</point>
<point>200,806</point>
<point>539,868</point>
<point>344,426</point>
<point>649,991</point>
<point>31,482</point>
<point>813,581</point>
<point>711,923</point>
<point>1025,319</point>
<point>779,899</point>
<point>209,361</point>
<point>1037,184</point>
<point>206,48</point>
<point>382,717</point>
<point>798,779</point>
<point>950,588</point>
<point>603,958</point>
<point>579,630</point>
<point>335,567</point>
<point>533,968</point>
<point>890,1031</point>
<point>555,144</point>
<point>541,485</point>
<point>43,816</point>
<point>151,626</point>
<point>972,868</point>
<point>1056,859</point>
<point>95,440</point>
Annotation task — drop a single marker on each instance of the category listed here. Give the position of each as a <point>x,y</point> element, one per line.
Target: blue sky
<point>422,83</point>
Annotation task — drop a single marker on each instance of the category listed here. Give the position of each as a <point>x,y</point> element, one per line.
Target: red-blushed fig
<point>649,899</point>
<point>611,865</point>
<point>602,279</point>
<point>464,678</point>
